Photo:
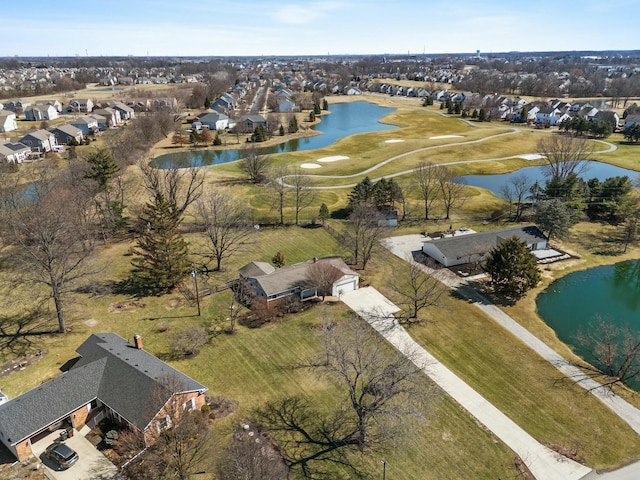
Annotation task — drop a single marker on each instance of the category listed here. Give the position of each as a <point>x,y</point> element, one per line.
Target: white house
<point>214,121</point>
<point>85,123</point>
<point>84,105</point>
<point>14,152</point>
<point>40,112</point>
<point>473,247</point>
<point>8,121</point>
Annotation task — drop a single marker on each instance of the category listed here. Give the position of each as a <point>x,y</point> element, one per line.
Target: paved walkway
<point>402,246</point>
<point>544,463</point>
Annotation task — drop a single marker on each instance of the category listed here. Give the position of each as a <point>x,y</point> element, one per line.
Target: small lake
<point>344,119</point>
<point>495,183</point>
<point>611,293</point>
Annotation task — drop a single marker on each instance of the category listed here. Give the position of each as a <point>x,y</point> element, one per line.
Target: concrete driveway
<point>92,465</point>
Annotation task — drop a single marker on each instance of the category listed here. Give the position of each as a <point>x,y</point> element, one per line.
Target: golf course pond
<point>573,303</point>
<point>344,119</point>
<point>496,183</point>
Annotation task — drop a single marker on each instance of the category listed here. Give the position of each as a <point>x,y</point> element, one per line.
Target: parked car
<point>62,455</point>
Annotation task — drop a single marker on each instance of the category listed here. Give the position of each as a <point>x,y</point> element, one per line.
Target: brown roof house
<point>301,280</point>
<point>113,379</point>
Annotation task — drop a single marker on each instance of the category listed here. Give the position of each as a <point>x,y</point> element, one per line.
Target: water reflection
<point>626,283</point>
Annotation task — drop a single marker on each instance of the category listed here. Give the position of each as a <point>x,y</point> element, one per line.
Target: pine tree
<point>281,131</point>
<point>513,268</point>
<point>312,117</point>
<point>293,124</point>
<point>161,255</point>
<point>217,141</point>
<point>316,109</point>
<point>278,260</point>
<point>103,168</point>
<point>325,104</point>
<point>323,213</point>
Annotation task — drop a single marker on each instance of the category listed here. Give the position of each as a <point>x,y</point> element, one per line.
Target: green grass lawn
<point>255,365</point>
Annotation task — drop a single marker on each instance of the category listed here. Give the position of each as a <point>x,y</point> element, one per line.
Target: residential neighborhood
<point>319,241</point>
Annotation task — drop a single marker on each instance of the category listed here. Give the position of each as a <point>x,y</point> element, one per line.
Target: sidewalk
<point>544,463</point>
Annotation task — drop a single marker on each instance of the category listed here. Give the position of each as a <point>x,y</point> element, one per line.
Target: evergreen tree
<point>217,141</point>
<point>362,194</point>
<point>161,255</point>
<point>323,213</point>
<point>474,114</point>
<point>281,130</point>
<point>482,115</point>
<point>316,109</point>
<point>278,260</point>
<point>325,104</point>
<point>513,268</point>
<point>207,102</point>
<point>103,168</point>
<point>312,117</point>
<point>293,124</point>
<point>555,218</point>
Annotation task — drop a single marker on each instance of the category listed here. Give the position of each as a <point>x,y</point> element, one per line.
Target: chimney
<point>137,341</point>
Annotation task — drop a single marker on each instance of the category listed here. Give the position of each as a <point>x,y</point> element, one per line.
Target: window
<point>189,405</point>
<point>163,423</point>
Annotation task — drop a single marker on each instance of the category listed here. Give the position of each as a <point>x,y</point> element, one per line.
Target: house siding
<point>79,417</point>
<point>23,450</point>
<point>177,401</point>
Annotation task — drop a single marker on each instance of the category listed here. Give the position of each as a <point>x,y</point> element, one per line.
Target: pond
<point>345,119</point>
<point>611,293</point>
<point>495,183</point>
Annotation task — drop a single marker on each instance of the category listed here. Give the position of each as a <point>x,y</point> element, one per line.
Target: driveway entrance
<point>92,465</point>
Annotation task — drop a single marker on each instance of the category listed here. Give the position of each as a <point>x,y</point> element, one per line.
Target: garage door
<point>348,286</point>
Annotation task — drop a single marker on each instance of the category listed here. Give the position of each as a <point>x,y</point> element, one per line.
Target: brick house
<point>113,379</point>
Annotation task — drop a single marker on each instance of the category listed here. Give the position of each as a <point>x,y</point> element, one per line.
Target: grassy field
<point>255,365</point>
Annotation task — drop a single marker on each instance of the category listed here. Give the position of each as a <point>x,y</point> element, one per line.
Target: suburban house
<point>286,106</point>
<point>40,112</point>
<point>298,281</point>
<point>87,124</point>
<point>39,141</point>
<point>8,121</point>
<point>66,134</point>
<point>111,114</point>
<point>14,152</point>
<point>628,122</point>
<point>126,112</point>
<point>214,121</point>
<point>16,106</point>
<point>461,248</point>
<point>113,379</point>
<point>249,123</point>
<point>83,105</point>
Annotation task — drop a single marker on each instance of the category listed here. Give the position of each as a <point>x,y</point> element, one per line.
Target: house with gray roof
<point>113,379</point>
<point>214,121</point>
<point>66,134</point>
<point>273,285</point>
<point>14,152</point>
<point>459,248</point>
<point>39,141</point>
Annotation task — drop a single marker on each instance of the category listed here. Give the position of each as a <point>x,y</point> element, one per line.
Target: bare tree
<point>52,237</point>
<point>363,233</point>
<point>381,391</point>
<point>426,179</point>
<point>178,186</point>
<point>450,191</point>
<point>322,274</point>
<point>304,196</point>
<point>252,456</point>
<point>279,188</point>
<point>254,164</point>
<point>614,352</point>
<point>417,289</point>
<point>566,155</point>
<point>226,224</point>
<point>521,186</point>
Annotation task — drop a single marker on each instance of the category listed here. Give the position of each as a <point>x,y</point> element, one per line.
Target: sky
<point>313,27</point>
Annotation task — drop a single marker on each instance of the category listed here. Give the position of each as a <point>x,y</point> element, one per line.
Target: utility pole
<point>384,470</point>
<point>194,274</point>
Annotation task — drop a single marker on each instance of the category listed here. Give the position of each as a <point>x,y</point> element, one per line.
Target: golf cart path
<point>544,463</point>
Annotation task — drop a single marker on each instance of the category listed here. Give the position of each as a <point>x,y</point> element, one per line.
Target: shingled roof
<point>110,369</point>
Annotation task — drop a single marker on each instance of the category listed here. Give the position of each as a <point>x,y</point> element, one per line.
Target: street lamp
<point>194,274</point>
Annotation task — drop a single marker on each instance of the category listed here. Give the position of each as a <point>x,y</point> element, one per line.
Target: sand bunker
<point>335,158</point>
<point>445,136</point>
<point>531,156</point>
<point>395,140</point>
<point>310,165</point>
